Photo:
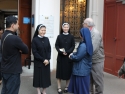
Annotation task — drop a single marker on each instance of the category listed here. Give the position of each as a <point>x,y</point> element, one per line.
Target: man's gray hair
<point>89,22</point>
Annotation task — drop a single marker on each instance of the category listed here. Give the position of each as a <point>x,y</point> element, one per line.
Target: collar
<point>10,32</point>
<point>65,33</point>
<point>40,36</point>
<point>92,32</point>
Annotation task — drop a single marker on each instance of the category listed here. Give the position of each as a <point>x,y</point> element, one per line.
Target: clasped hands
<point>64,53</point>
<point>46,62</point>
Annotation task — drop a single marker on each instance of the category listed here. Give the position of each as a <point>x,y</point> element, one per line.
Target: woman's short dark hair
<point>10,20</point>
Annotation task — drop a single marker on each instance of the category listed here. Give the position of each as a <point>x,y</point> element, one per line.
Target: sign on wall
<point>26,20</point>
<point>48,21</point>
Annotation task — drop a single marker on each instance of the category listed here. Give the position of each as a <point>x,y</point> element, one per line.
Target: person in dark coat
<point>1,32</point>
<point>121,71</point>
<point>12,48</point>
<point>65,45</point>
<point>80,79</point>
<point>42,54</point>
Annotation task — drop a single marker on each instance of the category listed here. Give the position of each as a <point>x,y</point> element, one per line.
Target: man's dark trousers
<point>11,83</point>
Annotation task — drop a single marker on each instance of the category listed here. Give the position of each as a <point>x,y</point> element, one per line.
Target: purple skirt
<point>79,84</point>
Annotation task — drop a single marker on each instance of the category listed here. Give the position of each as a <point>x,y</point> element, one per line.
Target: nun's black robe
<point>64,64</point>
<point>41,50</point>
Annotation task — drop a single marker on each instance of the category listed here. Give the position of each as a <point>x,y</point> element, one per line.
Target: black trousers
<point>11,83</point>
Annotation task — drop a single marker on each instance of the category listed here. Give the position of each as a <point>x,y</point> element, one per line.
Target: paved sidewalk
<point>112,84</point>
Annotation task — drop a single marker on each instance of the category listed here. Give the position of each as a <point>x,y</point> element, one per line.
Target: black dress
<point>41,50</point>
<point>64,64</point>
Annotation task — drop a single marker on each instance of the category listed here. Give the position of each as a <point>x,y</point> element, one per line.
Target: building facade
<point>108,15</point>
<point>50,8</point>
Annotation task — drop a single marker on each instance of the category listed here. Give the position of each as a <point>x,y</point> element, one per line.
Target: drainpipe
<point>94,14</point>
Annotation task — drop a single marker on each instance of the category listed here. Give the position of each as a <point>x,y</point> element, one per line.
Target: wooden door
<point>24,15</point>
<point>114,39</point>
<point>109,35</point>
<point>120,36</point>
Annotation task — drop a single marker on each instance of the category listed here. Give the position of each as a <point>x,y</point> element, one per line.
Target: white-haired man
<point>97,58</point>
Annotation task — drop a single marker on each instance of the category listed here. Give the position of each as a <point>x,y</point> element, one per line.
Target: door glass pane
<point>73,12</point>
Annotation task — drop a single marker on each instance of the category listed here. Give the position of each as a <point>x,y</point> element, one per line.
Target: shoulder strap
<point>4,40</point>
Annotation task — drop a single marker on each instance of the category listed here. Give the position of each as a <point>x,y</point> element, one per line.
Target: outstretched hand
<point>70,55</point>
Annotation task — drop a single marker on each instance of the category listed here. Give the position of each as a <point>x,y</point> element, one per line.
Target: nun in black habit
<point>42,53</point>
<point>65,45</point>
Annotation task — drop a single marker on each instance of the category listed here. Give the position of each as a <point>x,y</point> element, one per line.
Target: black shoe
<point>65,90</point>
<point>59,90</point>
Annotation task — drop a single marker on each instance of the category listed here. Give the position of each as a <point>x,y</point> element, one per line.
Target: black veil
<point>38,27</point>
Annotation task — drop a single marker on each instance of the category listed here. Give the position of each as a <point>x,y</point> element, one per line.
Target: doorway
<point>24,16</point>
<point>22,10</point>
<point>73,12</point>
<point>114,31</point>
